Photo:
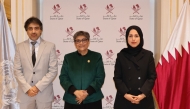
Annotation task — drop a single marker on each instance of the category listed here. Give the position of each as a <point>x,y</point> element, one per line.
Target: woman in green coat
<point>82,75</point>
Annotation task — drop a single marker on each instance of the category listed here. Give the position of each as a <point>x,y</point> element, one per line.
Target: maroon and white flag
<point>8,83</point>
<point>172,87</point>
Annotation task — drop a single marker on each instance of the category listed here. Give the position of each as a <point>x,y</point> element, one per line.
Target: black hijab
<point>134,50</point>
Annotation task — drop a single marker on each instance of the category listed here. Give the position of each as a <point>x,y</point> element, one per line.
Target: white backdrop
<point>106,21</point>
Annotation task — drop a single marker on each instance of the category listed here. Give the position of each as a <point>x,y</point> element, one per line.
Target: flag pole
<point>155,100</point>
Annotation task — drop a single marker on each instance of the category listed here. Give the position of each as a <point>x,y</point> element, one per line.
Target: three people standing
<point>82,73</point>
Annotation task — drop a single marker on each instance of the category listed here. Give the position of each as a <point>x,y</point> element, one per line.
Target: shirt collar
<point>37,41</point>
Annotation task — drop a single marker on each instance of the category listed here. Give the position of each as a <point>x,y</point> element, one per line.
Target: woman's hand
<point>131,98</point>
<point>80,95</point>
<point>140,97</point>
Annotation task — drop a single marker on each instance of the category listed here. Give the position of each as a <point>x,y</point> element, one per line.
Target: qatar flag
<point>172,87</point>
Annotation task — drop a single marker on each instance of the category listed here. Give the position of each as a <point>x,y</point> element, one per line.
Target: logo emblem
<point>56,8</point>
<point>109,8</point>
<point>83,8</point>
<point>109,99</point>
<point>69,31</point>
<point>96,31</point>
<point>109,54</point>
<point>136,8</point>
<point>56,99</point>
<point>122,31</point>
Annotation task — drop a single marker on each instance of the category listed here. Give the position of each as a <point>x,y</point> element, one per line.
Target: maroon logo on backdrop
<point>69,31</point>
<point>109,54</point>
<point>110,16</point>
<point>136,8</point>
<point>109,8</point>
<point>58,54</point>
<point>57,99</point>
<point>136,16</point>
<point>109,59</point>
<point>96,31</point>
<point>56,8</point>
<point>122,31</point>
<point>109,99</point>
<point>83,8</point>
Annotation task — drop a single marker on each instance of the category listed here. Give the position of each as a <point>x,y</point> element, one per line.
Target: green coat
<point>82,72</point>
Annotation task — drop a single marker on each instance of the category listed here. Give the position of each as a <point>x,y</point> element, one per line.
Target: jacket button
<point>32,81</point>
<point>139,78</point>
<point>33,72</point>
<point>129,67</point>
<point>139,88</point>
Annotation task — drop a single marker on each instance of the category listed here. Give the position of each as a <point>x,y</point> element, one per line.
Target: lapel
<point>140,55</point>
<point>40,50</point>
<point>27,50</point>
<point>135,59</point>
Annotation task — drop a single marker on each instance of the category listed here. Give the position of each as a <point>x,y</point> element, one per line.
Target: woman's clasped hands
<point>80,95</point>
<point>134,99</point>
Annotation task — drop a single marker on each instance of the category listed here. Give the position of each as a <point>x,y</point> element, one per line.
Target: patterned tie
<point>33,53</point>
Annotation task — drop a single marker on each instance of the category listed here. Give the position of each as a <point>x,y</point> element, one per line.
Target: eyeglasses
<point>83,41</point>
